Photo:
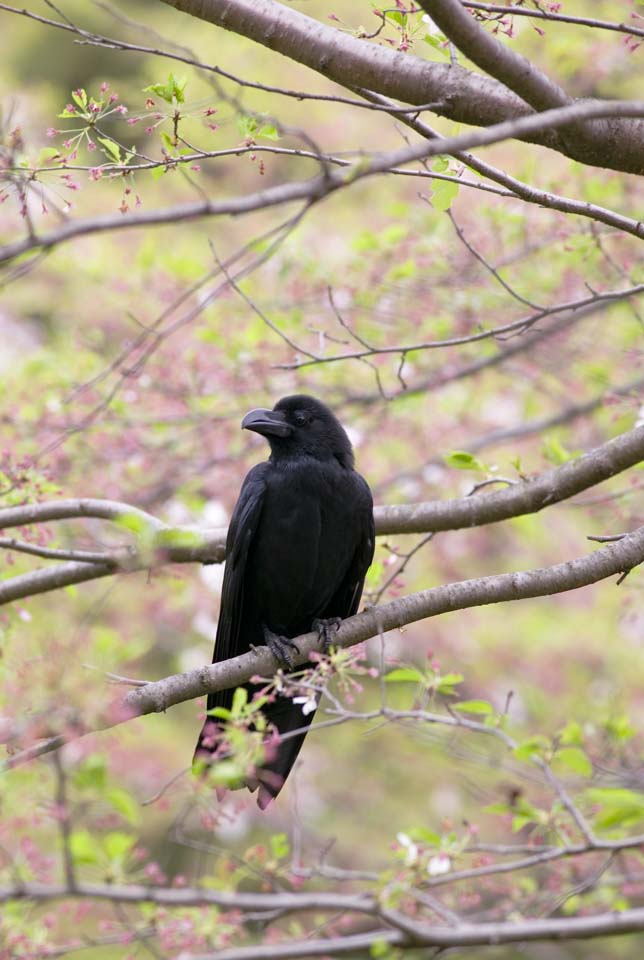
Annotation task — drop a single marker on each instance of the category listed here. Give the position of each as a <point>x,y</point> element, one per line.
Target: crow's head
<point>301,425</point>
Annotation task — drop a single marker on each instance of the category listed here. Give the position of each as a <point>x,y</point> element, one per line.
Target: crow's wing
<point>242,529</point>
<point>346,600</point>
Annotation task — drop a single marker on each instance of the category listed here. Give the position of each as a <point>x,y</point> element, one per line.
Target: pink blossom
<point>52,132</point>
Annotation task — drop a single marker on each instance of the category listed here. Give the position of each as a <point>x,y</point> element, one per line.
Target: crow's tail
<point>284,716</point>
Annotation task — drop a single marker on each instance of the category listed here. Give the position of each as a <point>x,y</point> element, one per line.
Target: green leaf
<point>404,675</point>
<point>80,98</point>
<point>124,803</point>
<point>447,682</point>
<point>423,835</point>
<point>397,17</point>
<point>247,126</point>
<point>280,845</point>
<point>221,712</point>
<point>172,91</point>
<point>269,132</point>
<point>463,460</point>
<point>92,775</point>
<point>117,845</point>
<point>443,193</point>
<point>474,706</point>
<point>571,735</point>
<point>240,699</point>
<point>533,745</point>
<point>226,773</point>
<point>620,807</point>
<point>437,43</point>
<point>47,154</point>
<point>575,759</point>
<point>111,149</point>
<point>555,452</point>
<point>620,728</point>
<point>83,847</point>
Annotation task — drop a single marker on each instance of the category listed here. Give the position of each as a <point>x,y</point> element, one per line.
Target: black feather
<point>299,544</point>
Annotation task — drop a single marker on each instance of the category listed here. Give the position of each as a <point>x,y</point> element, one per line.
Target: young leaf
<point>463,460</point>
<point>404,675</point>
<point>443,193</point>
<point>111,149</point>
<point>447,682</point>
<point>474,706</point>
<point>575,759</point>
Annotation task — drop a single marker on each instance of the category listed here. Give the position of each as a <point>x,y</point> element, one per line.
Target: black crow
<point>299,544</point>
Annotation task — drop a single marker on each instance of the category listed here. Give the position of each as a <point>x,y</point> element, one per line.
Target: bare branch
<point>318,188</point>
<point>500,332</point>
<point>525,191</point>
<point>535,14</point>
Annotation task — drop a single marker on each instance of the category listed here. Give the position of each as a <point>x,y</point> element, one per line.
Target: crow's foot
<point>281,648</point>
<point>324,628</point>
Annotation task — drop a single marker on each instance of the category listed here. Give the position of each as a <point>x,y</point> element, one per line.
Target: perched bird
<point>299,544</point>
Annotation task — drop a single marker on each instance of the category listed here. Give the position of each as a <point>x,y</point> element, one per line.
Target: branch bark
<point>466,97</point>
<point>157,696</point>
<point>403,932</point>
<point>316,189</point>
<point>531,496</point>
<point>498,60</point>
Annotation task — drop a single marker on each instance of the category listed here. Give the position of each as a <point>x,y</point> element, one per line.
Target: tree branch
<point>407,932</point>
<point>498,60</point>
<point>208,546</point>
<point>467,97</point>
<point>157,696</point>
<point>314,190</point>
<point>498,9</point>
<point>613,559</point>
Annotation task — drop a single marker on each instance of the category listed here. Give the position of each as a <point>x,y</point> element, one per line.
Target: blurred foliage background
<point>84,411</point>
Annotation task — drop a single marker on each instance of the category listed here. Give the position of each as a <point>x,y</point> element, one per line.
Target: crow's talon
<point>323,628</point>
<point>281,648</point>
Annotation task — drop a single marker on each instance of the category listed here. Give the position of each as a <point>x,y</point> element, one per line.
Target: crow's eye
<point>300,418</point>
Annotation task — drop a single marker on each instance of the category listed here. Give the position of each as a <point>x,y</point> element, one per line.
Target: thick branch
<point>611,560</point>
<point>498,60</point>
<point>208,546</point>
<point>529,497</point>
<point>407,932</point>
<point>467,97</point>
<point>157,696</point>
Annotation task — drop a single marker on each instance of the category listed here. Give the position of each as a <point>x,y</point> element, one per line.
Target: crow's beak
<point>270,423</point>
